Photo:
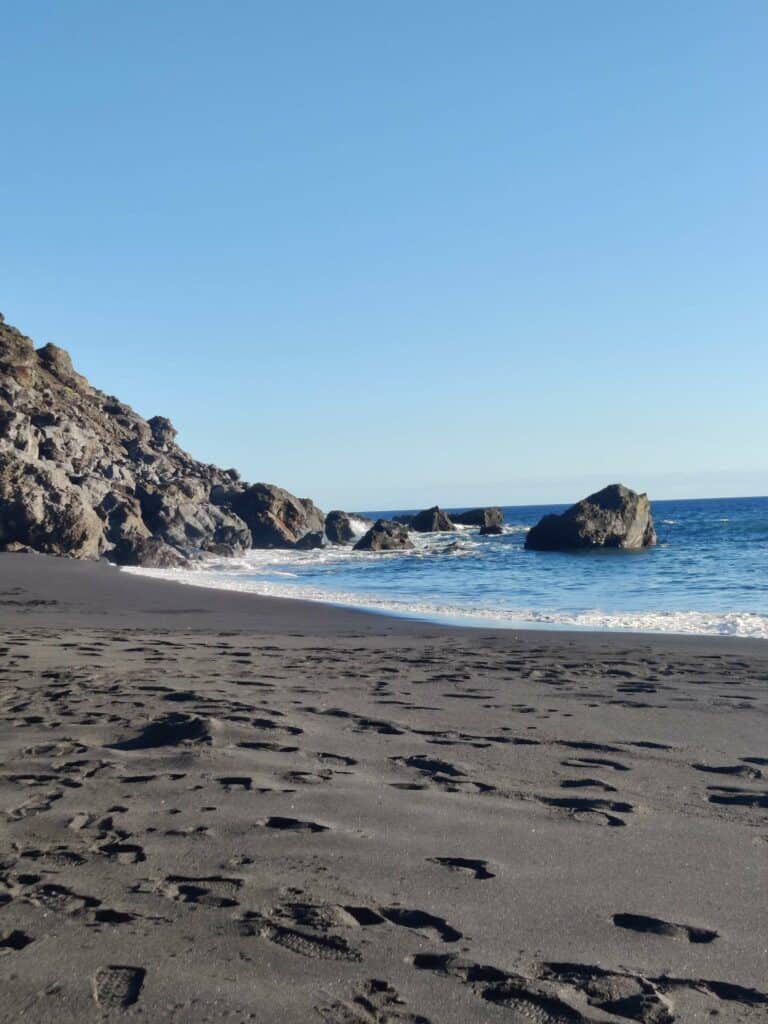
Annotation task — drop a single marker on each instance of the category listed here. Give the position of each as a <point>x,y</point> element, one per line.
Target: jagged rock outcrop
<point>491,531</point>
<point>310,541</point>
<point>405,520</point>
<point>385,535</point>
<point>153,553</point>
<point>163,432</point>
<point>82,474</point>
<point>489,519</point>
<point>340,529</point>
<point>431,520</point>
<point>615,517</point>
<point>275,517</point>
<point>39,507</point>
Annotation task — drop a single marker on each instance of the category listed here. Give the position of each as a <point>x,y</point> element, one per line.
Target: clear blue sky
<point>391,254</point>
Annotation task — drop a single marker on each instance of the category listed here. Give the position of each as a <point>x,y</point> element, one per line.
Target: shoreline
<point>60,587</point>
<point>453,616</point>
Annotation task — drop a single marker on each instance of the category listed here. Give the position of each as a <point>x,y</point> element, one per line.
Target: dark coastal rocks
<point>221,550</point>
<point>181,514</point>
<point>83,475</point>
<point>163,431</point>
<point>275,518</point>
<point>615,517</point>
<point>491,531</point>
<point>150,553</point>
<point>311,541</point>
<point>405,519</point>
<point>39,508</point>
<point>435,520</point>
<point>124,526</point>
<point>17,358</point>
<point>57,362</point>
<point>385,535</point>
<point>431,520</point>
<point>490,520</point>
<point>339,528</point>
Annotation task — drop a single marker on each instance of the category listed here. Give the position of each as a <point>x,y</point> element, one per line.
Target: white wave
<point>359,526</point>
<point>743,624</point>
<point>506,528</point>
<point>670,522</point>
<point>282,562</point>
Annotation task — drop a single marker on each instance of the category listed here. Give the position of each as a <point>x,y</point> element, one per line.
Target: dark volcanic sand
<point>223,807</point>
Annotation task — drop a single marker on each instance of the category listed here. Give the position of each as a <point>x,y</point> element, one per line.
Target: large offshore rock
<point>431,520</point>
<point>615,517</point>
<point>339,528</point>
<point>485,518</point>
<point>82,474</point>
<point>385,535</point>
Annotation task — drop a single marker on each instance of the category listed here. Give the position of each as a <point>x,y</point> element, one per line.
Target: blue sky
<point>393,254</point>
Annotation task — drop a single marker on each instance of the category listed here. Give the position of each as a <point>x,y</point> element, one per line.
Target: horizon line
<point>542,504</point>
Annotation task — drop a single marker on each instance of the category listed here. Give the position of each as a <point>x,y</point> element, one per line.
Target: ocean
<point>708,575</point>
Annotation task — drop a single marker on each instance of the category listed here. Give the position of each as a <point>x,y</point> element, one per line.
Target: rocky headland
<point>82,474</point>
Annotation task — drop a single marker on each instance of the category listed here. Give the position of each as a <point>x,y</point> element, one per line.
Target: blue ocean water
<point>708,574</point>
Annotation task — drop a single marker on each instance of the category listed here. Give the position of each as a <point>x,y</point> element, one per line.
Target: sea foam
<point>743,624</point>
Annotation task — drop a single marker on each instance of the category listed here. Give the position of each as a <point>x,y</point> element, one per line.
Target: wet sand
<point>221,807</point>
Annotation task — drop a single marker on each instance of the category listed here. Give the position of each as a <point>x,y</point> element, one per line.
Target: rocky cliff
<point>82,474</point>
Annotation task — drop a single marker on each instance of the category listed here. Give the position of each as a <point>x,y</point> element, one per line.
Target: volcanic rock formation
<point>340,529</point>
<point>486,518</point>
<point>615,517</point>
<point>385,535</point>
<point>431,520</point>
<point>82,474</point>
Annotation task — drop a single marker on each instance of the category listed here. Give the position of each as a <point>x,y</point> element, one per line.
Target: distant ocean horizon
<point>707,575</point>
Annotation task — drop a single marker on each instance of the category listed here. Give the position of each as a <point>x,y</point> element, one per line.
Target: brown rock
<point>615,517</point>
<point>385,535</point>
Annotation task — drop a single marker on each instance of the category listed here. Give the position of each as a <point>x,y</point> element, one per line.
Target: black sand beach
<point>225,807</point>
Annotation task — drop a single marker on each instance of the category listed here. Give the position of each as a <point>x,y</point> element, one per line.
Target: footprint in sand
<point>292,825</point>
<point>743,771</point>
<point>477,868</point>
<point>115,987</point>
<point>377,1002</point>
<point>13,941</point>
<point>655,926</point>
<point>168,731</point>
